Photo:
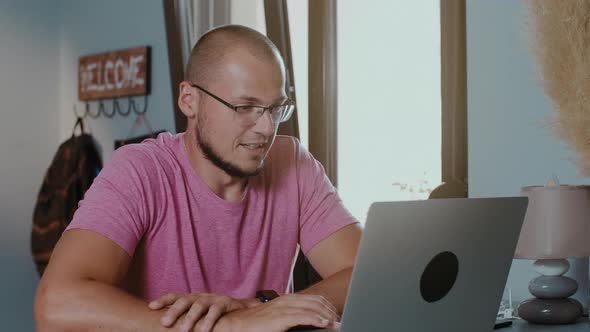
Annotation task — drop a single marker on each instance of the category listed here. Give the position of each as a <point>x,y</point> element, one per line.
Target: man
<point>197,223</point>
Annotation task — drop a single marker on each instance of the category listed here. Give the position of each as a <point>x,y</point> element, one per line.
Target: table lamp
<point>556,227</point>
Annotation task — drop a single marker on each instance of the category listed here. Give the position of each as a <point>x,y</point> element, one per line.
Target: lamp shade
<point>557,223</point>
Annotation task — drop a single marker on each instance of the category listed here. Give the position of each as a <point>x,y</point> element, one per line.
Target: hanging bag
<point>74,167</point>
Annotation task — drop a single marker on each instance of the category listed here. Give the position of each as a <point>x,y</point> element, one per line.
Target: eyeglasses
<point>251,113</point>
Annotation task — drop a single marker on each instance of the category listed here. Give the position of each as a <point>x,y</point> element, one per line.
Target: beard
<point>226,166</point>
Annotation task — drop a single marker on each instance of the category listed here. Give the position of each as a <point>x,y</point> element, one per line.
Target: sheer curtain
<point>186,21</point>
<point>186,27</point>
<point>195,17</point>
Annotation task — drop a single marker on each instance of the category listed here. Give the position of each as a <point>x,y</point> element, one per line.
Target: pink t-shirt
<point>184,238</point>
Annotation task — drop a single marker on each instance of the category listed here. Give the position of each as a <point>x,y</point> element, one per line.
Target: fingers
<point>301,316</point>
<point>334,326</point>
<point>163,301</point>
<point>215,311</point>
<point>195,306</point>
<point>194,314</point>
<point>234,304</point>
<point>328,304</point>
<point>179,307</point>
<point>319,305</point>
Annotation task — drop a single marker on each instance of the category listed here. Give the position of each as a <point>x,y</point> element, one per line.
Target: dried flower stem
<point>560,41</point>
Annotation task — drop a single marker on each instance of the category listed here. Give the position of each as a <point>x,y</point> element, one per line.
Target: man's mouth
<point>253,146</point>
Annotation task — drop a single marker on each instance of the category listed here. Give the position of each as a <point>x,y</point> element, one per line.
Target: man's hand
<point>195,307</point>
<point>282,314</point>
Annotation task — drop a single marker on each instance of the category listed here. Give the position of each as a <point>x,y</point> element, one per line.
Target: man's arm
<point>334,258</point>
<point>79,290</point>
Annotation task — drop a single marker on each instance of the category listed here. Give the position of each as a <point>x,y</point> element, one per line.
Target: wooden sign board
<point>114,74</point>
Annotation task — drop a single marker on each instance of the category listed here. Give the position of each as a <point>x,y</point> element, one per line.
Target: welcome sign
<point>114,74</point>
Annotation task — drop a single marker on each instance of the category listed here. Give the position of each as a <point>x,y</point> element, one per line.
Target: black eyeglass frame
<point>236,108</point>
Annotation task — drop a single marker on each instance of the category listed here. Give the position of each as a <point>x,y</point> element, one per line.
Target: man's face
<point>232,142</point>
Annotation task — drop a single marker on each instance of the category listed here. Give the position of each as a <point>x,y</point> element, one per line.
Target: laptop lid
<point>433,265</point>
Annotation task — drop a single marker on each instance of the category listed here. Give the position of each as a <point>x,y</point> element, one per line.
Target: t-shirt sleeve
<point>321,210</point>
<point>115,204</point>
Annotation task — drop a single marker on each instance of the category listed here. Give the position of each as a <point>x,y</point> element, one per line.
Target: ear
<point>188,100</point>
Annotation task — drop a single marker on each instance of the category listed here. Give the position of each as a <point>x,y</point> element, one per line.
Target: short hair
<point>211,49</point>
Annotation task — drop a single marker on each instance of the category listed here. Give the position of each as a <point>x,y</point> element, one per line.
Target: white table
<point>523,326</point>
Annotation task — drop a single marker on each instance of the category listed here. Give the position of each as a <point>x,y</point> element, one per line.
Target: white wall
<point>29,117</point>
<point>508,147</point>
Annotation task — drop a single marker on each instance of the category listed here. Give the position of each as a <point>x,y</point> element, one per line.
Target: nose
<point>264,125</point>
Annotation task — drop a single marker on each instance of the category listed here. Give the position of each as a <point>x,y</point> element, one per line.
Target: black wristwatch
<point>266,295</point>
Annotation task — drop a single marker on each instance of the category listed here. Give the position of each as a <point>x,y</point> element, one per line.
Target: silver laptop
<point>433,265</point>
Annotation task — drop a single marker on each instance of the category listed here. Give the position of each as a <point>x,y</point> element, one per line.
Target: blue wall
<point>40,42</point>
<point>89,27</point>
<point>29,132</point>
<point>509,146</point>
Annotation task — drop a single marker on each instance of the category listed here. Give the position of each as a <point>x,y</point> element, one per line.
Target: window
<point>389,99</point>
<point>389,102</point>
<point>298,22</point>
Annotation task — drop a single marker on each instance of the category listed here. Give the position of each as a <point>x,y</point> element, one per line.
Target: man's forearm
<point>93,306</point>
<point>334,288</point>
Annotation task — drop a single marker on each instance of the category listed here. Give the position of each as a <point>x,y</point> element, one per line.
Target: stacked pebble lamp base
<point>552,290</point>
